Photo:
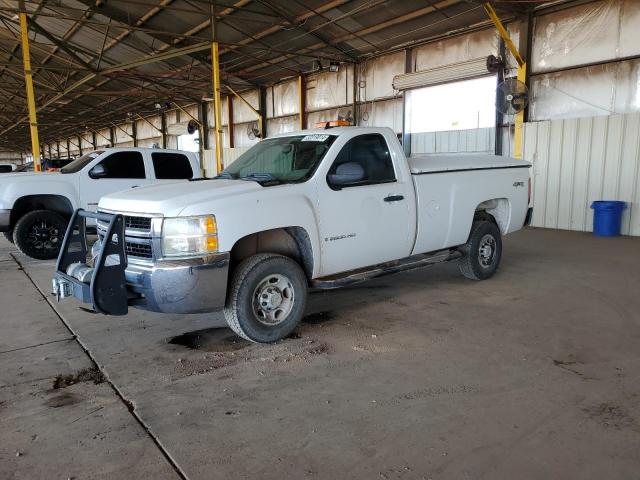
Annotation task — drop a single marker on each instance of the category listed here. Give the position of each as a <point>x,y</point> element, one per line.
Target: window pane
<point>171,166</point>
<point>372,154</point>
<point>124,165</point>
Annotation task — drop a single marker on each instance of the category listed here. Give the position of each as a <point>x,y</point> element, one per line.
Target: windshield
<point>79,163</point>
<point>283,159</point>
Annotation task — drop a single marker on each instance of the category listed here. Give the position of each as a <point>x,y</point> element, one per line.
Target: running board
<point>409,263</point>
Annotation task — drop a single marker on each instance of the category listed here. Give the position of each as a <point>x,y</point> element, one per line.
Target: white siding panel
<point>578,161</point>
<point>479,140</point>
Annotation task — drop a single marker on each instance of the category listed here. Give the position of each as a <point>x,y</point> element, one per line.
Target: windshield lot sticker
<point>315,138</point>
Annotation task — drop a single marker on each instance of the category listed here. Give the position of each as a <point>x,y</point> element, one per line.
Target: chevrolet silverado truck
<point>316,209</point>
<point>35,207</point>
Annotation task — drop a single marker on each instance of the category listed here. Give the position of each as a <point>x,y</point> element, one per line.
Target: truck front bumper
<point>111,285</point>
<point>195,285</point>
<point>5,220</point>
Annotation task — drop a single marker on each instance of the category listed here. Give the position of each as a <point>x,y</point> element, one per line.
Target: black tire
<point>252,310</point>
<point>482,253</point>
<point>8,235</point>
<point>39,234</point>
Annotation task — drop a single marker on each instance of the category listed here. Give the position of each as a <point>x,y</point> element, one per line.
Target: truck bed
<point>424,164</point>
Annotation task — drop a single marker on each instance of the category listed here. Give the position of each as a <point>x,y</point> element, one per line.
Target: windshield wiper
<point>262,178</point>
<point>225,175</point>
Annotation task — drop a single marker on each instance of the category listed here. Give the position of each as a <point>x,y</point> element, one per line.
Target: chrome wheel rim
<point>487,250</point>
<point>43,235</point>
<point>273,299</point>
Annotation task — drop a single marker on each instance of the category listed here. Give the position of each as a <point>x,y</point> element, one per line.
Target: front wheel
<point>266,299</point>
<point>482,252</point>
<point>39,234</point>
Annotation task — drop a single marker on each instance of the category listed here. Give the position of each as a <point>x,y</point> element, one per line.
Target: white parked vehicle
<point>7,167</point>
<point>35,207</point>
<point>318,208</point>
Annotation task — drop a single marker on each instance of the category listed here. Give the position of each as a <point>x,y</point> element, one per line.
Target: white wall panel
<point>124,134</point>
<point>282,99</point>
<point>240,137</point>
<point>578,161</point>
<point>384,113</point>
<point>329,89</point>
<point>242,113</point>
<point>596,90</point>
<point>597,31</point>
<point>479,140</point>
<point>376,76</point>
<point>102,137</point>
<point>455,50</point>
<point>144,130</point>
<point>282,125</point>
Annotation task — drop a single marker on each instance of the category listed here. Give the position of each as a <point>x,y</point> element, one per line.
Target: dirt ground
<point>422,375</point>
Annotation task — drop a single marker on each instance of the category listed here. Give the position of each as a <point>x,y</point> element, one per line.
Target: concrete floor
<point>530,375</point>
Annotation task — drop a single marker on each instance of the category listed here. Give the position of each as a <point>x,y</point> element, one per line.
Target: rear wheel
<point>267,297</point>
<point>39,234</point>
<point>8,235</point>
<point>482,253</point>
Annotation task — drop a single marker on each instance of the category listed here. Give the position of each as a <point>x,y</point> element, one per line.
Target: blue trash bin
<point>607,217</point>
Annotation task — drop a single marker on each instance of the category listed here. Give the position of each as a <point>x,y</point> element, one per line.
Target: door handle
<point>394,198</point>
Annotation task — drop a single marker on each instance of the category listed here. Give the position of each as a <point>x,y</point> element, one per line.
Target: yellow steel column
<point>518,130</point>
<point>217,106</point>
<point>31,101</point>
<point>522,76</point>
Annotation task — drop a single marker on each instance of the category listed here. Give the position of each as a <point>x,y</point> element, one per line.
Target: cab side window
<point>372,154</point>
<point>171,166</point>
<point>124,165</point>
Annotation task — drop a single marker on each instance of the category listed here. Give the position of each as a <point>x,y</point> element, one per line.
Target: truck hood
<point>13,176</point>
<point>170,199</point>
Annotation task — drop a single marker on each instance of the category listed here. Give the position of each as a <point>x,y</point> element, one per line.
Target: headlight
<point>189,236</point>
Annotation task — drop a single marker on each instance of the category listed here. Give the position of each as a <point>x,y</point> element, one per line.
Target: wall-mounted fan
<point>512,96</point>
<point>253,131</point>
<point>192,127</point>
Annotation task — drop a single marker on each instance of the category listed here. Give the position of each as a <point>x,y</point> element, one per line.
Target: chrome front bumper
<point>5,220</point>
<point>113,282</point>
<point>195,285</point>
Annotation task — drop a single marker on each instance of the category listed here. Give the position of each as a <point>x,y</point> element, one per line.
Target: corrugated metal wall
<point>479,140</point>
<point>577,161</point>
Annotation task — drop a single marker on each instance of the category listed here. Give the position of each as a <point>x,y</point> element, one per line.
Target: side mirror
<point>346,174</point>
<point>99,171</point>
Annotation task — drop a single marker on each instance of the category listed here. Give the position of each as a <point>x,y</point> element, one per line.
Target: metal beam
<point>302,90</point>
<point>518,127</point>
<point>163,122</point>
<point>230,120</point>
<point>217,105</point>
<point>31,101</point>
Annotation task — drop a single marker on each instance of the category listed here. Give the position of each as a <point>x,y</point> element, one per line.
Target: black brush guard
<point>107,290</point>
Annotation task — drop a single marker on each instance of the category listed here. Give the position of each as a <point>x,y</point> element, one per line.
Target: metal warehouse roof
<point>95,60</point>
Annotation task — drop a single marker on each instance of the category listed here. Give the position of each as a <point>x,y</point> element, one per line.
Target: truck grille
<point>138,239</point>
<point>140,250</point>
<point>139,223</point>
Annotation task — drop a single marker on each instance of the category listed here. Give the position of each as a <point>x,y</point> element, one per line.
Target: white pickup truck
<point>35,207</point>
<point>318,208</point>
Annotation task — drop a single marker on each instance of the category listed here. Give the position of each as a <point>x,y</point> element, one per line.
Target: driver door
<point>367,221</point>
<point>122,170</point>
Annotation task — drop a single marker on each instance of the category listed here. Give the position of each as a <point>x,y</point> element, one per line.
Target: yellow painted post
<point>31,101</point>
<point>518,130</point>
<point>217,106</point>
